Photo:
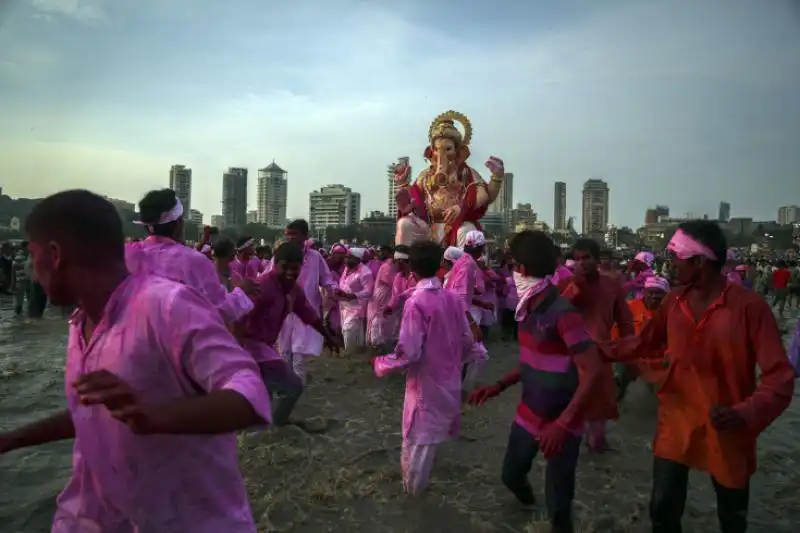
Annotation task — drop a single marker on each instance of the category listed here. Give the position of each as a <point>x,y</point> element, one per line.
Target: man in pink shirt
<point>278,296</point>
<point>156,386</point>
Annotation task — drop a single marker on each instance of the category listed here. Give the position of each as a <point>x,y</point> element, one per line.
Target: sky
<point>678,102</point>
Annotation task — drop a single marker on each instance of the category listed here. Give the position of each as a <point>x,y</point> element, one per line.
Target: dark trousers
<point>668,500</point>
<point>284,387</point>
<point>559,478</point>
<point>37,300</point>
<point>508,324</point>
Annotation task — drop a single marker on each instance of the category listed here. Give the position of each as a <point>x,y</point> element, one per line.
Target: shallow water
<point>349,475</point>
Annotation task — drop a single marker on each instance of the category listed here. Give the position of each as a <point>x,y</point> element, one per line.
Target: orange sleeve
<point>776,383</point>
<point>623,315</point>
<point>651,342</point>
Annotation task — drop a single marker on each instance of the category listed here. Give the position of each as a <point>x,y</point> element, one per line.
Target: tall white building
<point>271,196</point>
<point>504,203</point>
<point>392,200</point>
<point>334,205</point>
<point>180,181</point>
<point>234,197</point>
<point>788,214</point>
<point>560,206</point>
<point>595,207</point>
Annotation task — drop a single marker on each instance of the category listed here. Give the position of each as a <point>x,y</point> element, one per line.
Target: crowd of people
<point>173,349</point>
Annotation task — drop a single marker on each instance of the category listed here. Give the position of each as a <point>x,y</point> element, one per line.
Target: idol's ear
<point>428,153</point>
<point>463,154</point>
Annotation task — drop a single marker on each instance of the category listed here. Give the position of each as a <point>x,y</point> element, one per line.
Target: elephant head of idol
<point>449,148</point>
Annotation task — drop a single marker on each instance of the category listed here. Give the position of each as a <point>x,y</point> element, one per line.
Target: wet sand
<point>343,473</point>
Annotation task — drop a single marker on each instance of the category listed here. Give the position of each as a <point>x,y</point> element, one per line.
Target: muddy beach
<point>342,470</point>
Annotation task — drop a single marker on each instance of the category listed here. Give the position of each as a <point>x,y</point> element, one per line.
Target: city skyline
<point>677,112</point>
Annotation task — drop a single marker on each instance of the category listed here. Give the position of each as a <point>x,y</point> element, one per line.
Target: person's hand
<point>552,439</point>
<point>249,286</point>
<point>402,170</point>
<point>482,394</point>
<point>104,388</point>
<point>495,166</point>
<point>477,334</point>
<point>726,418</point>
<point>571,291</point>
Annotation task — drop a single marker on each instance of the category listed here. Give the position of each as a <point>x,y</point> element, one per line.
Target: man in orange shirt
<point>711,405</point>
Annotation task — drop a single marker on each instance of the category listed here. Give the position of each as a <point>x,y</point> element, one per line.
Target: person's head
<point>162,214</point>
<point>336,257</point>
<point>264,252</point>
<point>287,261</point>
<point>781,263</point>
<point>606,259</point>
<point>368,256</point>
<point>354,257</point>
<point>223,252</point>
<point>385,252</point>
<point>655,289</point>
<point>450,256</point>
<point>75,237</point>
<point>534,254</point>
<point>23,248</point>
<point>297,231</point>
<point>559,255</point>
<point>642,261</point>
<point>424,258</point>
<point>400,258</point>
<point>474,243</point>
<point>245,247</point>
<point>699,249</point>
<point>586,254</point>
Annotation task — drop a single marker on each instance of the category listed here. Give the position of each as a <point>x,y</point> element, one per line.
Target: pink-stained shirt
<point>248,269</point>
<point>466,282</point>
<point>170,259</point>
<point>330,305</point>
<point>489,295</point>
<point>272,305</point>
<point>297,337</point>
<point>374,265</point>
<point>435,343</point>
<point>358,282</point>
<point>562,273</point>
<point>402,287</point>
<point>380,328</point>
<point>163,339</point>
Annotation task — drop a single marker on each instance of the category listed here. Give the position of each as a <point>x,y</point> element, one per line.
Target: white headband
<point>247,244</point>
<point>168,216</point>
<point>400,255</point>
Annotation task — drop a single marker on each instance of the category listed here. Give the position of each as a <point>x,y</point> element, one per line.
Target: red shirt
<point>780,278</point>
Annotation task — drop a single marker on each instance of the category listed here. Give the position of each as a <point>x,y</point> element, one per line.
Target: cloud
<point>86,11</point>
<point>657,100</point>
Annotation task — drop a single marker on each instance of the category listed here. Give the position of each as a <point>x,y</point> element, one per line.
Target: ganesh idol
<point>448,198</point>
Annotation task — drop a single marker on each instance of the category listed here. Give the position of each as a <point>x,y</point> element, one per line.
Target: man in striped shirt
<point>559,368</point>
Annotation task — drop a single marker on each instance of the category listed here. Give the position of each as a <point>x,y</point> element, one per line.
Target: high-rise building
<point>217,221</point>
<point>252,217</point>
<point>272,192</point>
<point>234,197</point>
<point>560,206</point>
<point>334,205</point>
<point>504,203</point>
<point>788,214</point>
<point>180,181</point>
<point>195,217</point>
<point>654,215</point>
<point>594,218</point>
<point>724,212</point>
<point>392,200</point>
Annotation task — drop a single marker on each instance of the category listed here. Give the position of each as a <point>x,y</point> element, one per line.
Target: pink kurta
<point>297,337</point>
<point>465,281</point>
<point>358,282</point>
<point>248,269</point>
<point>374,265</point>
<point>163,339</point>
<point>330,304</point>
<point>170,259</point>
<point>435,343</point>
<point>379,326</point>
<point>489,295</point>
<point>402,287</point>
